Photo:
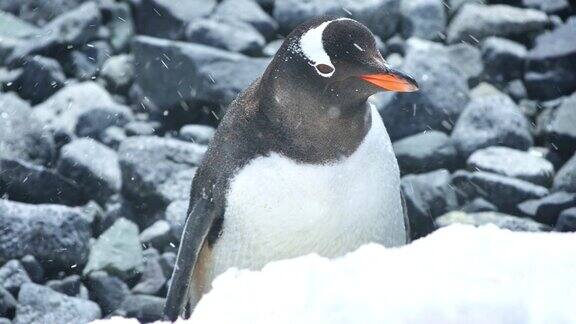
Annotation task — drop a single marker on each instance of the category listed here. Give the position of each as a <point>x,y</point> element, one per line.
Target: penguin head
<point>334,61</point>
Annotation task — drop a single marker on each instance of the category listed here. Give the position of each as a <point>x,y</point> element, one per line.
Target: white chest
<point>278,208</point>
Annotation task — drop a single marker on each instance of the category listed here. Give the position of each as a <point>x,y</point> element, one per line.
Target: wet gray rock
<point>40,78</point>
<point>565,178</point>
<point>427,196</point>
<point>93,166</point>
<point>153,278</point>
<point>58,236</point>
<point>62,110</point>
<point>33,268</point>
<point>199,134</point>
<point>504,59</point>
<point>193,72</point>
<point>546,210</point>
<point>168,18</point>
<point>7,304</point>
<point>381,16</point>
<point>426,152</point>
<point>157,235</point>
<point>560,130</point>
<point>118,73</point>
<point>39,305</point>
<point>106,290</point>
<point>503,192</point>
<point>424,19</point>
<point>475,22</point>
<point>117,251</point>
<point>149,162</point>
<point>144,308</point>
<point>13,276</point>
<point>21,135</point>
<point>433,106</point>
<point>94,121</point>
<point>489,121</point>
<point>513,163</point>
<point>71,286</point>
<point>167,262</point>
<point>249,12</point>
<point>30,183</point>
<point>551,63</point>
<point>567,221</point>
<point>227,34</point>
<point>501,220</point>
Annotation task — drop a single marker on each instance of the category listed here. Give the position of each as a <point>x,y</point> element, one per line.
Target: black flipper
<point>195,231</point>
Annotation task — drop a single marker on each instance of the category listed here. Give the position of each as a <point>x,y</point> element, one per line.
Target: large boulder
<point>57,236</point>
<point>168,18</point>
<point>227,34</point>
<point>501,191</point>
<point>501,220</point>
<point>551,63</point>
<point>474,22</point>
<point>21,135</point>
<point>193,72</point>
<point>424,19</point>
<point>249,12</point>
<point>488,121</point>
<point>381,16</point>
<point>426,152</point>
<point>93,166</point>
<point>513,163</point>
<point>566,177</point>
<point>427,196</point>
<point>40,305</point>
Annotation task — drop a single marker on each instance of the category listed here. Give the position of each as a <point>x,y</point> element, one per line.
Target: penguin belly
<point>278,208</point>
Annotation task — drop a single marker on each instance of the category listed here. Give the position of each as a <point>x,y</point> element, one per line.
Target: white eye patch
<point>313,48</point>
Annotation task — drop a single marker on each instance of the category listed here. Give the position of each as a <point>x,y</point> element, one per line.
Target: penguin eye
<point>324,68</point>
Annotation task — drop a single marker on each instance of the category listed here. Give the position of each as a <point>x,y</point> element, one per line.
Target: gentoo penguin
<point>300,163</point>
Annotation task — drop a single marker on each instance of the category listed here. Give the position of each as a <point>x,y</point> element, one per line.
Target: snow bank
<point>458,274</point>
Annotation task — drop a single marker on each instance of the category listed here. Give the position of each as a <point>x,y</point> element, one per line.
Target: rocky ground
<point>106,109</point>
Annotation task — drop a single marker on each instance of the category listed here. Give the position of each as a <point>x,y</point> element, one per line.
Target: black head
<point>330,62</point>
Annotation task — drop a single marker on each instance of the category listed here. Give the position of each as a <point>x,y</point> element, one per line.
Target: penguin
<point>300,163</point>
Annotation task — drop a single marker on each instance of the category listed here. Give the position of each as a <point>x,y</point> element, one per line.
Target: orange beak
<point>392,80</point>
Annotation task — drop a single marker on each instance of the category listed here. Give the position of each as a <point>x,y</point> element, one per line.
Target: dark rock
<point>144,308</point>
<point>40,305</point>
<point>199,134</point>
<point>118,19</point>
<point>489,121</point>
<point>567,221</point>
<point>249,12</point>
<point>475,22</point>
<point>7,304</point>
<point>61,111</point>
<point>108,291</point>
<point>499,190</point>
<point>560,130</point>
<point>551,64</point>
<point>546,210</point>
<point>426,152</point>
<point>117,207</point>
<point>117,251</point>
<point>118,73</point>
<point>479,205</point>
<point>94,121</point>
<point>21,135</point>
<point>504,59</point>
<point>149,162</point>
<point>167,18</point>
<point>176,214</point>
<point>14,27</point>
<point>57,236</point>
<point>271,48</point>
<point>192,71</point>
<point>40,78</point>
<point>427,196</point>
<point>86,62</point>
<point>167,262</point>
<point>565,178</point>
<point>504,221</point>
<point>433,107</point>
<point>33,268</point>
<point>26,182</point>
<point>153,278</point>
<point>13,276</point>
<point>380,16</point>
<point>93,166</point>
<point>70,285</point>
<point>513,163</point>
<point>424,19</point>
<point>157,235</point>
<point>548,6</point>
<point>231,35</point>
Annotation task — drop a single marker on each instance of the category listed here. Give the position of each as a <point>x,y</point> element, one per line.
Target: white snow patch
<point>459,274</point>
